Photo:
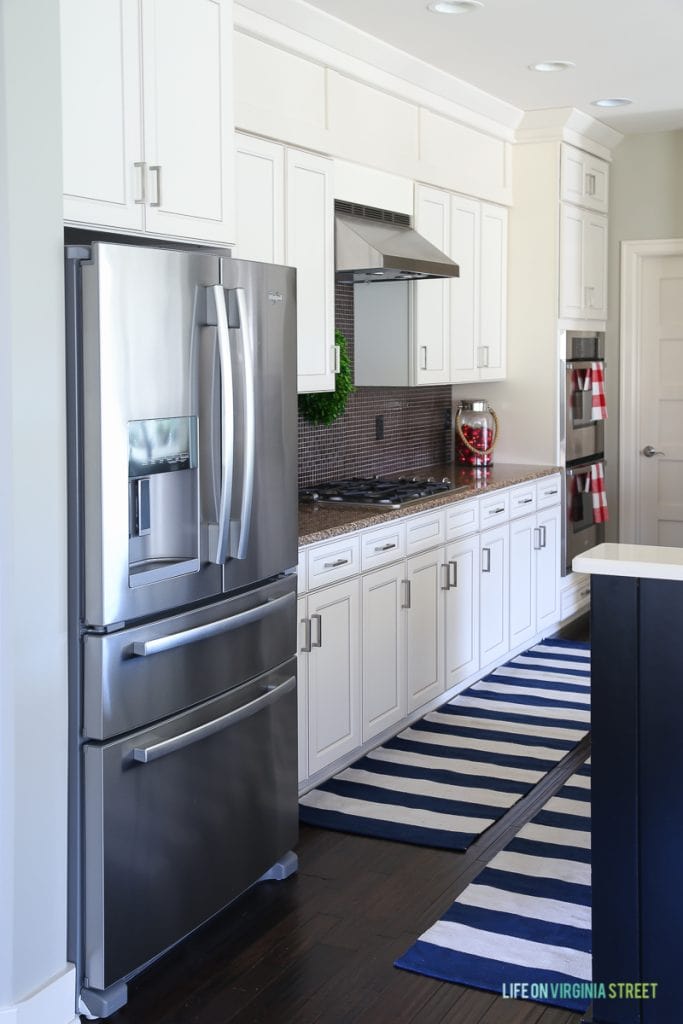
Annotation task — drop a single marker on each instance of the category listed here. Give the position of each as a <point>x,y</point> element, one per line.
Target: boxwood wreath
<point>327,406</point>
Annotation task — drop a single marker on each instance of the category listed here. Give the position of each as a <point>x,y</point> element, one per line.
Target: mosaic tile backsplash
<point>414,424</point>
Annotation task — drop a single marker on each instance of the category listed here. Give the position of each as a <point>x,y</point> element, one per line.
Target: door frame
<point>633,255</point>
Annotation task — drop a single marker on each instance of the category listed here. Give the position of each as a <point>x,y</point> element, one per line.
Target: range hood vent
<point>375,245</point>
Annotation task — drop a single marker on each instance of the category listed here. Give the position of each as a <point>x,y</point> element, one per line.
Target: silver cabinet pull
<point>496,511</point>
<point>525,501</point>
<point>590,184</point>
<point>336,564</point>
<point>485,350</point>
<point>649,451</point>
<point>406,594</point>
<point>319,621</point>
<point>447,577</point>
<point>486,559</point>
<point>337,359</point>
<point>152,752</point>
<point>423,350</point>
<point>453,582</point>
<point>586,592</point>
<point>157,170</point>
<point>385,547</point>
<point>543,536</point>
<point>537,538</point>
<point>548,494</point>
<point>144,649</point>
<point>143,181</point>
<point>306,649</point>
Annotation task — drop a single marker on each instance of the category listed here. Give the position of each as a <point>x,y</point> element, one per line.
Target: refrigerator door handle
<point>144,649</point>
<point>153,751</point>
<point>238,547</point>
<point>227,428</point>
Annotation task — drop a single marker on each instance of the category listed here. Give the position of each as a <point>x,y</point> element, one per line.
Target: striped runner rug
<point>449,776</point>
<point>523,927</point>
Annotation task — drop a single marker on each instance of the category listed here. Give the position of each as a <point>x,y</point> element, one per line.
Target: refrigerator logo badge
<point>275,297</point>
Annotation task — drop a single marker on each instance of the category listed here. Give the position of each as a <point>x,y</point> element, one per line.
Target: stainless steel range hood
<point>376,245</point>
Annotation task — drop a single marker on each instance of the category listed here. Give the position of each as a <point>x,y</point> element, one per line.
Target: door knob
<point>649,451</point>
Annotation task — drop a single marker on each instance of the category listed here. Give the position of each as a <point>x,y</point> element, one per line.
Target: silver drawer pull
<point>152,752</point>
<point>525,501</point>
<point>496,511</point>
<point>337,563</point>
<point>486,559</point>
<point>385,547</point>
<point>548,494</point>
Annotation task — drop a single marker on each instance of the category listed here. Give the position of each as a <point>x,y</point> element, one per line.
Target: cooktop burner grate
<point>378,491</point>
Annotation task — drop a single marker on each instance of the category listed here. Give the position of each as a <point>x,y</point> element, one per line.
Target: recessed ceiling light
<point>612,101</point>
<point>454,6</point>
<point>552,65</point>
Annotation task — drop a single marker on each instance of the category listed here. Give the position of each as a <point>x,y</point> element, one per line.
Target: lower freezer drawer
<point>179,819</point>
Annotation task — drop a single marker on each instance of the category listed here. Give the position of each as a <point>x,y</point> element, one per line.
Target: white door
<point>383,649</point>
<point>524,545</point>
<point>309,232</point>
<point>494,595</point>
<point>462,610</point>
<point>493,292</point>
<point>464,290</point>
<point>260,207</point>
<point>432,319</point>
<point>548,568</point>
<point>425,626</point>
<point>659,412</point>
<point>187,89</point>
<point>302,687</point>
<point>333,673</point>
<point>102,113</point>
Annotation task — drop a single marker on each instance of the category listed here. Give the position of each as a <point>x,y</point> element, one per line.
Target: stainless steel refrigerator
<point>183,546</point>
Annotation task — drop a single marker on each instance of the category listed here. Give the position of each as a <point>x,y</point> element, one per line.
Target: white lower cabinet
<point>494,594</point>
<point>383,649</point>
<point>329,653</point>
<point>534,574</point>
<point>424,599</point>
<point>462,609</point>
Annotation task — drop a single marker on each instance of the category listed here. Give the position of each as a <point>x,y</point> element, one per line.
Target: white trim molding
<point>633,255</point>
<point>54,1003</point>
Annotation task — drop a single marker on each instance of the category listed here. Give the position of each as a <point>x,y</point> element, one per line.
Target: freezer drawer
<point>146,673</point>
<point>182,818</point>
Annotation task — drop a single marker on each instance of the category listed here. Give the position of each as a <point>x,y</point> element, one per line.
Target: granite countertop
<point>642,561</point>
<point>322,522</point>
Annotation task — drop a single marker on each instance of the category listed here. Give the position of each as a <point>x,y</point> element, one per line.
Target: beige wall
<point>646,201</point>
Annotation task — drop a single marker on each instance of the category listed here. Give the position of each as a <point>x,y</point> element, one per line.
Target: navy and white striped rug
<point>523,927</point>
<point>448,777</point>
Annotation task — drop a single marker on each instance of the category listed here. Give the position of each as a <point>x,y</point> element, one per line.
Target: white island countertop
<point>644,561</point>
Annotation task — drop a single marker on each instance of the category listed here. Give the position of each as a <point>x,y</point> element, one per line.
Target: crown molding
<point>567,124</point>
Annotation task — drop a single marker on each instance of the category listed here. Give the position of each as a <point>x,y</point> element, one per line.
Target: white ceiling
<point>631,48</point>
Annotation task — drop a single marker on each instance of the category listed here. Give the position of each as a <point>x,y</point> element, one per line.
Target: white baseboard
<point>53,1003</point>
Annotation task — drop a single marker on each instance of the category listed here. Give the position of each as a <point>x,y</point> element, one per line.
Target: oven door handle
<point>145,648</point>
<point>153,751</point>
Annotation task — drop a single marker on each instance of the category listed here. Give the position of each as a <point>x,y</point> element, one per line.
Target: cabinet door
<point>260,208</point>
<point>101,113</point>
<point>571,261</point>
<point>333,674</point>
<point>494,597</point>
<point>425,627</point>
<point>302,687</point>
<point>462,610</point>
<point>595,266</point>
<point>383,657</point>
<point>524,547</point>
<point>309,231</point>
<point>187,89</point>
<point>464,290</point>
<point>548,568</point>
<point>493,292</point>
<point>432,319</point>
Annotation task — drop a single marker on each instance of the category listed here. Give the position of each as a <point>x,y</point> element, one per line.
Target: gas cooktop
<point>376,491</point>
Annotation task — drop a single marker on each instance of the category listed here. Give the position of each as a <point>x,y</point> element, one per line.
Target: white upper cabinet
<point>584,179</point>
<point>464,294</point>
<point>147,109</point>
<point>583,264</point>
<point>431,353</point>
<point>493,292</point>
<point>260,208</point>
<point>309,246</point>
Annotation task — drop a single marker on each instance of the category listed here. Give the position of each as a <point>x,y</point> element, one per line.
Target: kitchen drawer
<point>425,531</point>
<point>522,500</point>
<point>462,519</point>
<point>333,561</point>
<point>383,545</point>
<point>302,572</point>
<point>548,491</point>
<point>576,597</point>
<point>495,509</point>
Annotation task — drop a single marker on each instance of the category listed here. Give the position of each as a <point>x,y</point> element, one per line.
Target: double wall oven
<point>582,439</point>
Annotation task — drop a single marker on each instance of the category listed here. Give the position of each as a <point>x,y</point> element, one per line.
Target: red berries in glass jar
<point>476,431</point>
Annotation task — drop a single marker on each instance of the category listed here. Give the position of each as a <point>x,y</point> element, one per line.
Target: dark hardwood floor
<point>320,946</point>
